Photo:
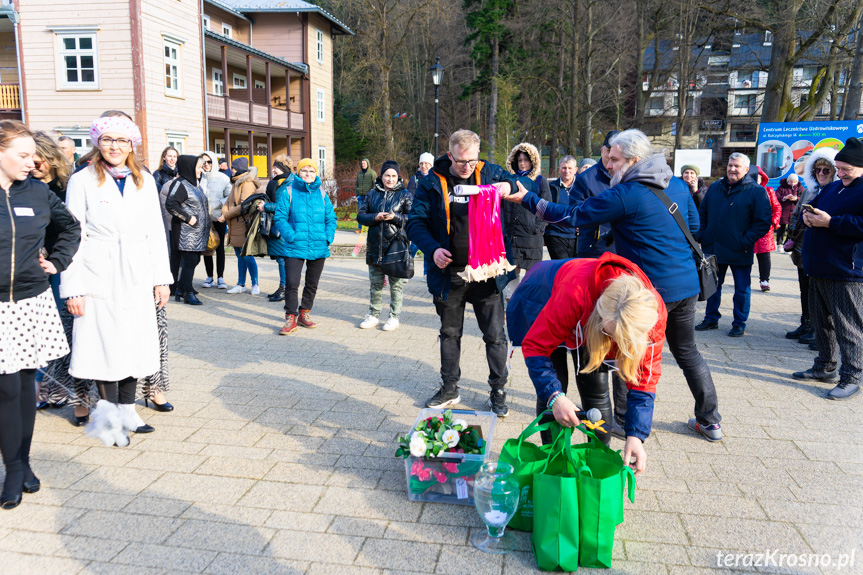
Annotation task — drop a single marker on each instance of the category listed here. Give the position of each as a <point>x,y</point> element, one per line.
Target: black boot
<point>191,299</point>
<point>805,327</point>
<point>808,337</point>
<point>278,295</point>
<point>10,498</point>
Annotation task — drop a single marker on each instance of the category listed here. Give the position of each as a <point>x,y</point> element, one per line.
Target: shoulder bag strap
<point>675,212</point>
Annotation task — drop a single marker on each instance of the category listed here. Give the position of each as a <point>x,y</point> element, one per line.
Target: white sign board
<point>699,158</point>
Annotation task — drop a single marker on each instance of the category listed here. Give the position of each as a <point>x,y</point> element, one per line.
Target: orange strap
<point>443,187</point>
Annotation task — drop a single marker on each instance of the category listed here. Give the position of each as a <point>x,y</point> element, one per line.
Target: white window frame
<point>321,106</point>
<point>176,64</point>
<point>77,135</point>
<point>219,147</point>
<point>218,82</point>
<point>177,140</point>
<point>242,77</point>
<point>77,32</point>
<point>206,20</point>
<point>227,30</point>
<point>262,86</point>
<point>260,147</point>
<point>319,37</point>
<point>322,161</point>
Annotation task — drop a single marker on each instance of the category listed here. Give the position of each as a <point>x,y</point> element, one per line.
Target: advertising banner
<point>703,159</point>
<point>784,147</point>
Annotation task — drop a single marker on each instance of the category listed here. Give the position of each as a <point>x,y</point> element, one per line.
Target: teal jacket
<point>276,246</point>
<point>306,220</point>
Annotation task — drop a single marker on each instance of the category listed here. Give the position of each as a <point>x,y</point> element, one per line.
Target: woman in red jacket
<point>606,311</point>
<point>767,244</point>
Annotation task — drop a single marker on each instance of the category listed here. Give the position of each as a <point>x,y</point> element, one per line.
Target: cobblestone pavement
<point>279,455</point>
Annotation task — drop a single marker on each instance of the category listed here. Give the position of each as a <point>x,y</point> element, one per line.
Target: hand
<point>518,196</point>
<point>260,206</point>
<point>75,305</point>
<point>193,220</point>
<point>221,219</point>
<point>442,258</point>
<point>564,412</point>
<point>47,266</point>
<point>788,246</point>
<point>161,295</point>
<point>503,188</point>
<point>816,219</point>
<point>633,448</point>
<point>791,198</point>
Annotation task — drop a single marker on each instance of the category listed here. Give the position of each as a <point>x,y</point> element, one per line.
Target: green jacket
<point>365,180</point>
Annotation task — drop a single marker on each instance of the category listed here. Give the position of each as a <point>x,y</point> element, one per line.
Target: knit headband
<point>116,125</point>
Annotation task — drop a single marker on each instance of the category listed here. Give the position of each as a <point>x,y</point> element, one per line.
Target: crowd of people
<point>99,245</point>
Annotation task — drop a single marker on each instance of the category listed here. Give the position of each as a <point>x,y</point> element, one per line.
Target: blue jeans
<point>360,201</point>
<point>742,279</point>
<point>281,261</point>
<point>246,263</point>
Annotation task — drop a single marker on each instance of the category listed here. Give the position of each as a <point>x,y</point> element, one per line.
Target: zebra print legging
<point>159,381</point>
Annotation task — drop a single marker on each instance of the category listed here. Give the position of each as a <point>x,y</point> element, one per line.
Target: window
<point>81,139</point>
<point>809,73</point>
<point>79,68</point>
<point>227,30</point>
<point>321,116</point>
<point>320,45</point>
<point>206,22</point>
<point>177,140</point>
<point>322,161</point>
<point>745,102</point>
<point>768,38</point>
<point>259,85</point>
<point>218,83</point>
<point>743,133</point>
<point>172,69</point>
<point>656,103</point>
<point>219,147</point>
<point>239,81</point>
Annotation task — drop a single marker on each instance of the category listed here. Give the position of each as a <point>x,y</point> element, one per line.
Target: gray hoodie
<point>217,187</point>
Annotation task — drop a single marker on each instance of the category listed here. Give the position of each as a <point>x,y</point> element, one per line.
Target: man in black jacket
<point>735,213</point>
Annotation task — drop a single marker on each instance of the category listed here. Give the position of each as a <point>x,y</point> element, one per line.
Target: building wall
<point>177,20</point>
<point>48,107</point>
<point>321,77</point>
<point>241,28</point>
<point>8,58</point>
<point>280,34</point>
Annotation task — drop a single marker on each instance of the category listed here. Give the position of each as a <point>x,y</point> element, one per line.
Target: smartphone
<point>808,208</point>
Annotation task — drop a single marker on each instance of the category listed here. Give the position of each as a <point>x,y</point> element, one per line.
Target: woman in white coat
<point>120,269</point>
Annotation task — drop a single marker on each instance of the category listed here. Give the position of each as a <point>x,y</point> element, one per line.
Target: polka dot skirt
<point>31,333</point>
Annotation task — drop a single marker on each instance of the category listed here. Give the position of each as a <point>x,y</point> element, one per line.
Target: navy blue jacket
<point>428,222</point>
<point>836,252</point>
<point>592,240</point>
<point>559,196</point>
<point>645,233</point>
<point>733,218</point>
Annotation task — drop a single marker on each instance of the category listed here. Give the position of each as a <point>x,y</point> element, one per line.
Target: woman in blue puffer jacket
<point>306,222</point>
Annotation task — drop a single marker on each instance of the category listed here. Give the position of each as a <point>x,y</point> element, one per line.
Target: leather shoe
<point>80,421</point>
<point>817,375</point>
<point>192,299</point>
<point>736,331</point>
<point>12,489</point>
<point>707,324</point>
<point>800,331</point>
<point>808,337</point>
<point>145,429</point>
<point>159,406</point>
<point>813,347</point>
<point>31,482</point>
<point>843,391</point>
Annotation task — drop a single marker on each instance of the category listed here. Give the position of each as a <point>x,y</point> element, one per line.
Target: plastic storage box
<point>459,469</point>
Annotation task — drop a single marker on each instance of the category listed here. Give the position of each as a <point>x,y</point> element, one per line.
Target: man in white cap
<point>426,161</point>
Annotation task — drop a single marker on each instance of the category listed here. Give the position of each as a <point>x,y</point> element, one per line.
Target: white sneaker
<point>369,322</point>
<point>208,283</point>
<point>392,324</point>
<point>256,290</point>
<point>221,284</point>
<point>238,289</point>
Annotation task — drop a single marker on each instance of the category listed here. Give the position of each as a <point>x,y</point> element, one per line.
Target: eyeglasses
<point>824,171</point>
<point>37,165</point>
<point>109,142</point>
<point>208,163</point>
<point>464,163</point>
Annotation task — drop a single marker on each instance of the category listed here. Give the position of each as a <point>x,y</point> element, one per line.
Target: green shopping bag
<point>601,482</point>
<point>526,459</point>
<point>555,538</point>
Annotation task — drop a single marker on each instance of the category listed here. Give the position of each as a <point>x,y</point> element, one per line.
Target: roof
<point>252,6</point>
<point>297,67</point>
<point>227,8</point>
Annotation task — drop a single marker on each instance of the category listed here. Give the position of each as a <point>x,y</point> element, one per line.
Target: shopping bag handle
<point>565,435</point>
<point>630,482</point>
<point>591,436</point>
<point>534,427</point>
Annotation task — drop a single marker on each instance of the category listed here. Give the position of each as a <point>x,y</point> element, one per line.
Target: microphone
<point>592,415</point>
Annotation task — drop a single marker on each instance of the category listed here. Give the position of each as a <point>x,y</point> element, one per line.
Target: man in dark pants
<point>560,240</point>
<point>646,234</point>
<point>438,224</point>
<point>735,213</point>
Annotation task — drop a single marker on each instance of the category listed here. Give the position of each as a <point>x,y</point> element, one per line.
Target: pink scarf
<point>486,252</point>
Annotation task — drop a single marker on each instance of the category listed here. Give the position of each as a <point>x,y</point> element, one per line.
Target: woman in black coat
<point>167,167</point>
<point>30,329</point>
<point>385,213</point>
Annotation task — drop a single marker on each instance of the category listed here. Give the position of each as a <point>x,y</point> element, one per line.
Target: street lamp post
<point>437,76</point>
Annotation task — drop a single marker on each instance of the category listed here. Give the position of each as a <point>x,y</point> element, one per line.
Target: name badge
<point>24,212</point>
<point>459,199</point>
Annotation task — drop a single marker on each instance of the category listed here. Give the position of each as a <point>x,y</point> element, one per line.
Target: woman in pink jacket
<point>767,244</point>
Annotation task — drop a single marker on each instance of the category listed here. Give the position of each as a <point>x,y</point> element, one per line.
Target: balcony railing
<point>10,97</point>
<point>239,111</point>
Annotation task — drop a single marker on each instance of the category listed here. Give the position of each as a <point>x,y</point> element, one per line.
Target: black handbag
<point>268,228</point>
<point>397,262</point>
<point>708,277</point>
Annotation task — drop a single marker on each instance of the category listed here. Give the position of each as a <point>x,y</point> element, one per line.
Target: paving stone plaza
<point>279,455</point>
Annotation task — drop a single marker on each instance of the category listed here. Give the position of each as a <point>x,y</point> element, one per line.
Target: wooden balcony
<point>245,112</point>
<point>10,97</point>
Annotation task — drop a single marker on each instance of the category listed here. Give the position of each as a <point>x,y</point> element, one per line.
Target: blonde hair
<point>632,307</point>
<point>51,154</point>
<point>463,139</point>
<point>11,130</point>
<point>284,159</point>
<point>88,157</point>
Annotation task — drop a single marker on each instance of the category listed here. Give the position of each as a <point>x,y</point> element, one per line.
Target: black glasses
<point>208,163</point>
<point>464,163</point>
<point>824,171</point>
<point>109,142</point>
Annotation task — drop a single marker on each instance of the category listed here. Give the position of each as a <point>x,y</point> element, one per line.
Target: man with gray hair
<point>67,145</point>
<point>647,234</point>
<point>735,213</point>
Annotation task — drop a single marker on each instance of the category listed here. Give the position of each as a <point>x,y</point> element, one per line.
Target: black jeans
<point>763,266</point>
<point>188,261</point>
<point>221,228</point>
<point>803,281</point>
<point>17,418</point>
<point>488,307</point>
<point>293,273</point>
<point>560,248</point>
<point>592,389</point>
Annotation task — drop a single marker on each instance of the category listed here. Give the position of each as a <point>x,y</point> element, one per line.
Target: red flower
<point>450,467</point>
<point>440,477</point>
